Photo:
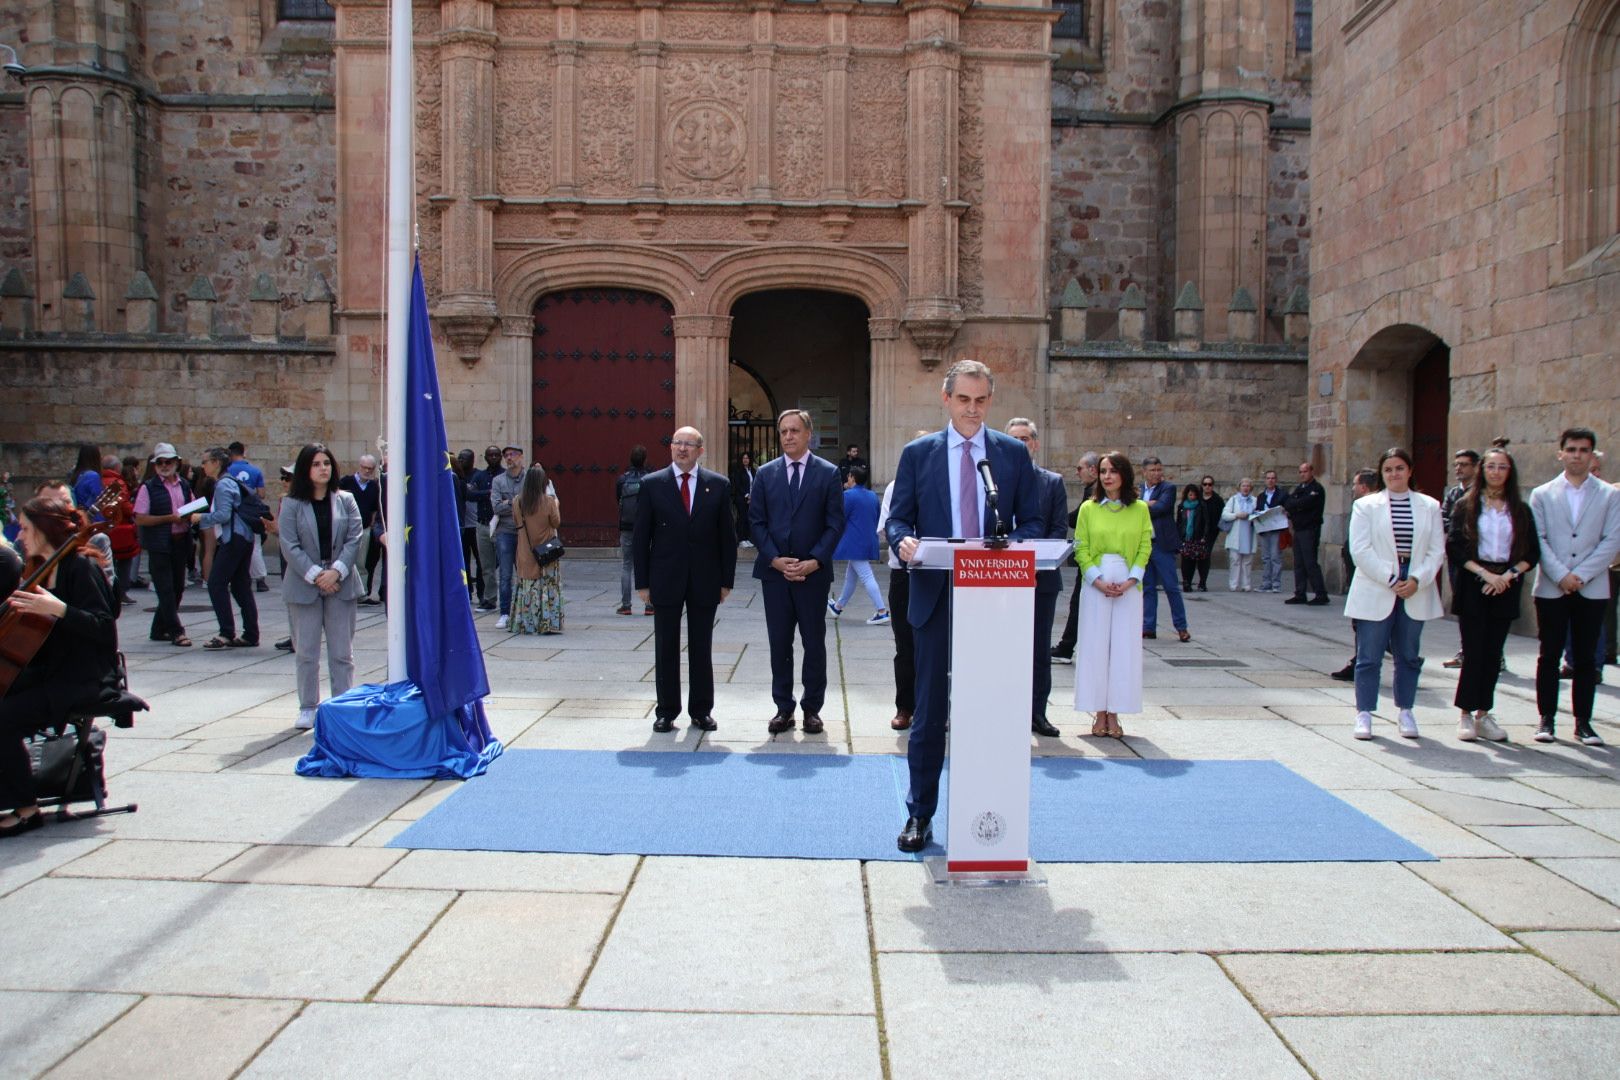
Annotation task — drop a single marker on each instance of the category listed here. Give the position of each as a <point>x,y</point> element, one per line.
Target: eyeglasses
<point>1209,483</point>
<point>167,461</point>
<point>683,445</point>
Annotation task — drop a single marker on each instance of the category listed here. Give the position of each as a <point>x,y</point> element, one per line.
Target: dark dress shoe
<point>1044,727</point>
<point>704,723</point>
<point>1150,635</point>
<point>285,644</point>
<point>779,723</point>
<point>915,836</point>
<point>1346,673</point>
<point>901,721</point>
<point>812,724</point>
<point>1296,600</point>
<point>1319,601</point>
<point>664,724</point>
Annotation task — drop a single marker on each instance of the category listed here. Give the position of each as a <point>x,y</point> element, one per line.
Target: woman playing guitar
<point>77,658</point>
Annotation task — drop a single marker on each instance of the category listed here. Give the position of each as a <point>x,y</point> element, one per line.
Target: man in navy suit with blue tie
<point>938,492</point>
<point>796,515</point>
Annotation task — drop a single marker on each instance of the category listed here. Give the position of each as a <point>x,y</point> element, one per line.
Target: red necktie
<point>686,492</point>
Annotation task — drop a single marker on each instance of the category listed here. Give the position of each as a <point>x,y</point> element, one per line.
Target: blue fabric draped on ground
<point>841,806</point>
<point>382,731</point>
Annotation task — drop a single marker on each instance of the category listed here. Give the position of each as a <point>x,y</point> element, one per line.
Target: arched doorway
<point>806,349</point>
<point>1398,393</point>
<point>751,415</point>
<point>603,382</point>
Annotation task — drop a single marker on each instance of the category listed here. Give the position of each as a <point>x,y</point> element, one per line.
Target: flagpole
<point>401,213</point>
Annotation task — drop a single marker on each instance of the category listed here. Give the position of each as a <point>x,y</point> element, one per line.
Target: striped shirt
<point>1400,519</point>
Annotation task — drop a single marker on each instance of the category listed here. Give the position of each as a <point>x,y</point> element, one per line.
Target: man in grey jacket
<point>1578,522</point>
<point>503,492</point>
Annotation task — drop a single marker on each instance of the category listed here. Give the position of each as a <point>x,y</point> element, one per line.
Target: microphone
<point>989,481</point>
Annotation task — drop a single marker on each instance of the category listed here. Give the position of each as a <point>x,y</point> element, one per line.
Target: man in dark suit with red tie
<point>938,492</point>
<point>684,549</point>
<point>796,515</point>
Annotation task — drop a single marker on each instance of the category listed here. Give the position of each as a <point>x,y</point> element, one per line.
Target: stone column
<point>703,376</point>
<point>649,103</point>
<point>564,156</point>
<point>836,97</point>
<point>933,311</point>
<point>466,308</point>
<point>761,107</point>
<point>888,435</point>
<point>511,412</point>
<point>1222,130</point>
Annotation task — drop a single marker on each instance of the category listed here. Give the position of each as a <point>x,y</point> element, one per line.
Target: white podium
<point>992,662</point>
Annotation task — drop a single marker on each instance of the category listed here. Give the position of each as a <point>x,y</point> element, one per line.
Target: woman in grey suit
<point>320,537</point>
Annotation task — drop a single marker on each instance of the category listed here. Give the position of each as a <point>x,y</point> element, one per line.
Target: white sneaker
<point>880,619</point>
<point>1363,725</point>
<point>500,623</point>
<point>1467,730</point>
<point>1488,729</point>
<point>306,719</point>
<point>834,609</point>
<point>1407,723</point>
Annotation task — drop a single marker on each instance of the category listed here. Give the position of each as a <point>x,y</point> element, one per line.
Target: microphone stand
<point>998,537</point>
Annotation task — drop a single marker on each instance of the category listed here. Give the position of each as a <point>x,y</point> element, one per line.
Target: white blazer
<point>1586,547</point>
<point>1372,547</point>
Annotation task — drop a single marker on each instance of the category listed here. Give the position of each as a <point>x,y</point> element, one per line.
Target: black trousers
<point>474,564</point>
<point>1483,622</point>
<point>1576,618</point>
<point>1190,565</point>
<point>925,753</point>
<point>1071,629</point>
<point>699,658</point>
<point>1045,612</point>
<point>905,661</point>
<point>374,552</point>
<point>797,606</point>
<point>169,582</point>
<point>1307,570</point>
<point>229,577</point>
<point>22,713</point>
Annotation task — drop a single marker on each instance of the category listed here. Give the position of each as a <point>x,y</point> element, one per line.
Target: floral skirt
<point>537,606</point>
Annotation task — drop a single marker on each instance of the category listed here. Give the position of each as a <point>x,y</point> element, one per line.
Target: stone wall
<point>16,226</point>
<point>1447,155</point>
<point>126,397</point>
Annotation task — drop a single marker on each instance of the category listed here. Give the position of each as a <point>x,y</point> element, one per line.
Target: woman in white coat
<point>320,538</point>
<point>1399,546</point>
<point>1239,536</point>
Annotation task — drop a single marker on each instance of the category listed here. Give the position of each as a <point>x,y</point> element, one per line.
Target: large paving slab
<point>38,1029</point>
<point>173,937</point>
<point>511,871</point>
<point>1515,894</point>
<point>1100,1017</point>
<point>1217,907</point>
<point>1427,830</point>
<point>340,1042</point>
<point>282,864</point>
<point>1601,876</point>
<point>177,860</point>
<point>547,941</point>
<point>1472,810</point>
<point>745,935</point>
<point>1454,1047</point>
<point>33,855</point>
<point>1371,984</point>
<point>1590,955</point>
<point>183,1038</point>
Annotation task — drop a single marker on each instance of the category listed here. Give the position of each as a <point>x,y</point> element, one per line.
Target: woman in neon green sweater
<point>1113,537</point>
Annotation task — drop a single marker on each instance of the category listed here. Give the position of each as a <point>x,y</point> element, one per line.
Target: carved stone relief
<point>596,25</point>
<point>606,123</point>
<point>705,131</point>
<point>429,94</point>
<point>796,29</point>
<point>534,24</point>
<point>523,128</point>
<point>970,174</point>
<point>800,122</point>
<point>877,30</point>
<point>365,22</point>
<point>878,137</point>
<point>1022,36</point>
<point>706,26</point>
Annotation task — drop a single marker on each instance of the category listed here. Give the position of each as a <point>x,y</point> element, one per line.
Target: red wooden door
<point>604,380</point>
<point>1431,410</point>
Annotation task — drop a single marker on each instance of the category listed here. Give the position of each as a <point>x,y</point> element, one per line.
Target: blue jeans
<point>1400,634</point>
<point>1161,570</point>
<point>627,570</point>
<point>506,554</point>
<point>860,570</point>
<point>1271,561</point>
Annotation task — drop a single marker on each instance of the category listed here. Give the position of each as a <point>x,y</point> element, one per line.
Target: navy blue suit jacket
<point>679,557</point>
<point>1161,502</point>
<point>921,505</point>
<point>1055,515</point>
<point>805,526</point>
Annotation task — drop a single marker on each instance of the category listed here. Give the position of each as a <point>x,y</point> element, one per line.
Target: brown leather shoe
<point>779,723</point>
<point>812,724</point>
<point>901,721</point>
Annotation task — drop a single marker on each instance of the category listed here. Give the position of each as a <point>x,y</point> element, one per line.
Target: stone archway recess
<point>702,299</point>
<point>1381,397</point>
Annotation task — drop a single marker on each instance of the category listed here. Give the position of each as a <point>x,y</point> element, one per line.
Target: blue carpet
<point>839,806</point>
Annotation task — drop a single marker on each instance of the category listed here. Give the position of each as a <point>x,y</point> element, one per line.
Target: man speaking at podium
<point>939,492</point>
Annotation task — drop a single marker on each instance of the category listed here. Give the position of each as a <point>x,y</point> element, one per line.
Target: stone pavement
<point>250,922</point>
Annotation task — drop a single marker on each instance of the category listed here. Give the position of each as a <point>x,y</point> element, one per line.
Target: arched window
<point>1591,130</point>
<point>1302,26</point>
<point>305,10</point>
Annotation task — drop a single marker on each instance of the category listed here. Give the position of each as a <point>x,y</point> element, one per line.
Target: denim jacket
<point>222,515</point>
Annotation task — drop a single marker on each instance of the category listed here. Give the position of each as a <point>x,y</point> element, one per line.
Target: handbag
<point>60,771</point>
<point>548,551</point>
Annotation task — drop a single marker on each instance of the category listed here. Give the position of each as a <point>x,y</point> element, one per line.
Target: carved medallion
<point>706,139</point>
